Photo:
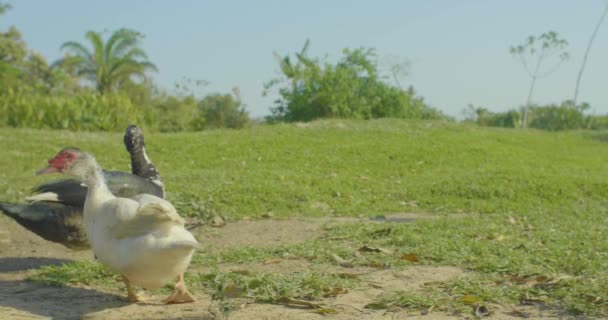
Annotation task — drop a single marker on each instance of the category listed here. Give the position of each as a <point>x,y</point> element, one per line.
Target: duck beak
<point>49,169</point>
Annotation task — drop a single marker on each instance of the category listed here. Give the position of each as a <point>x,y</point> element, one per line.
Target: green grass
<point>534,202</point>
<point>342,167</point>
<point>79,272</point>
<point>267,287</point>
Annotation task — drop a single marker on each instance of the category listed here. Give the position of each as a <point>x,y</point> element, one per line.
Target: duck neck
<point>98,191</point>
<point>142,166</point>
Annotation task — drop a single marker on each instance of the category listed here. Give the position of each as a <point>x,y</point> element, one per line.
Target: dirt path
<point>21,251</point>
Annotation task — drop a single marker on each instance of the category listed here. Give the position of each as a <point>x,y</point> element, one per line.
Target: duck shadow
<point>54,302</point>
<point>21,298</point>
<point>12,264</point>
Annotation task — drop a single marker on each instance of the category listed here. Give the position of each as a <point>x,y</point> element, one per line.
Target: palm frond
<point>149,66</point>
<point>125,66</point>
<point>97,42</point>
<point>125,74</point>
<point>133,54</point>
<point>131,39</point>
<point>119,41</point>
<point>129,60</point>
<point>78,49</point>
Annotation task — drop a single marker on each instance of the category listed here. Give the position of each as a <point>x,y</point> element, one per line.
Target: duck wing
<point>50,220</point>
<point>141,215</point>
<point>69,192</point>
<point>72,192</point>
<point>126,185</point>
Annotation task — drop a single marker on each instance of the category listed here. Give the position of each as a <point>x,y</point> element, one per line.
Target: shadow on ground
<point>12,264</point>
<point>53,302</point>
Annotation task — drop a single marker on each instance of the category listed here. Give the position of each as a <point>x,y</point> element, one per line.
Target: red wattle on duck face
<point>57,162</point>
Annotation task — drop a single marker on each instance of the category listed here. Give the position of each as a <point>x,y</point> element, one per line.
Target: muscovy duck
<point>143,238</point>
<point>55,211</point>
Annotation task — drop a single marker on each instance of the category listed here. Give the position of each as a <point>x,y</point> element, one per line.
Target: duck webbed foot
<point>131,295</point>
<point>180,294</point>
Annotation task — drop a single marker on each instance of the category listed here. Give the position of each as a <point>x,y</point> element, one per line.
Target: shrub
<point>565,116</point>
<point>597,122</point>
<point>223,111</point>
<point>352,88</point>
<point>553,117</point>
<point>177,114</point>
<point>85,111</point>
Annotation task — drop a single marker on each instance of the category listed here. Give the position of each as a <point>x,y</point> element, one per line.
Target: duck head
<point>71,161</point>
<point>134,139</point>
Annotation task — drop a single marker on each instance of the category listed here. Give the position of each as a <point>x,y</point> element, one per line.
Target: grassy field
<point>522,210</point>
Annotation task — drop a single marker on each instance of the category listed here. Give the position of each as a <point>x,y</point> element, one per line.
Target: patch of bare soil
<point>264,233</point>
<point>21,251</point>
<point>272,232</point>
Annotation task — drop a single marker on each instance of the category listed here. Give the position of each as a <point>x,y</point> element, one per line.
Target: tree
<point>24,70</point>
<point>4,7</point>
<point>112,63</point>
<point>537,50</point>
<point>586,55</point>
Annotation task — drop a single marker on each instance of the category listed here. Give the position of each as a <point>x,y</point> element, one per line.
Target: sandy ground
<point>21,251</point>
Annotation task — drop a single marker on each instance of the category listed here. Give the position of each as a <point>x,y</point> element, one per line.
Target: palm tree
<point>109,64</point>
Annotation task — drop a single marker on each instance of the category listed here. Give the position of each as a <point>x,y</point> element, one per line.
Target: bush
<point>223,111</point>
<point>484,117</point>
<point>597,122</point>
<point>558,117</point>
<point>565,116</point>
<point>351,88</point>
<point>177,114</point>
<point>90,112</point>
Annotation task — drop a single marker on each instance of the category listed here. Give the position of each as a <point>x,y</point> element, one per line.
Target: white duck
<point>142,238</point>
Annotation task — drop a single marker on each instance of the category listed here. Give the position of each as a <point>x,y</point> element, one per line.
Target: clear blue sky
<point>458,49</point>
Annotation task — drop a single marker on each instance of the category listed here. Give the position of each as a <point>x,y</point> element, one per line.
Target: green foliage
<point>111,63</point>
<point>25,70</point>
<point>484,117</point>
<point>222,111</point>
<point>564,116</point>
<point>177,113</point>
<point>36,107</point>
<point>12,47</point>
<point>552,117</point>
<point>597,122</point>
<point>88,112</point>
<point>4,7</point>
<point>352,88</point>
<point>546,44</point>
